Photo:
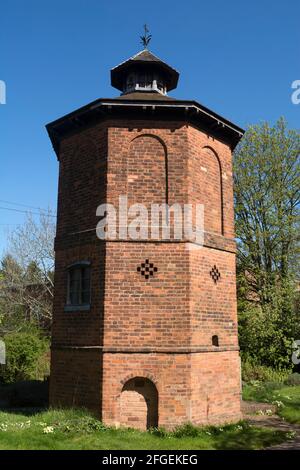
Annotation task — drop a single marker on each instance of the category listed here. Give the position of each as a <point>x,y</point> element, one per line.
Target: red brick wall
<point>82,180</point>
<point>79,328</point>
<point>171,374</point>
<point>215,387</point>
<point>76,377</point>
<point>213,304</point>
<point>165,156</point>
<point>142,313</point>
<point>160,328</point>
<point>210,181</point>
<point>203,388</point>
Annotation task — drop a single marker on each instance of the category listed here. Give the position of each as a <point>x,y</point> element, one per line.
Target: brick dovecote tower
<point>145,331</point>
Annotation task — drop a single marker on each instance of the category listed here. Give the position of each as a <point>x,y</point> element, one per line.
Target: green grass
<point>287,397</point>
<point>71,429</point>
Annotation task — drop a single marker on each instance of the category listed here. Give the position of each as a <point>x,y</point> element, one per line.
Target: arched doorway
<point>139,404</point>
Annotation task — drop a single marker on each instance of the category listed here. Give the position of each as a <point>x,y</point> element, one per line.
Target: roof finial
<point>146,38</point>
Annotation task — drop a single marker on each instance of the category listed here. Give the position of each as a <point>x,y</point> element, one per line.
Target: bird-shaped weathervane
<point>146,38</point>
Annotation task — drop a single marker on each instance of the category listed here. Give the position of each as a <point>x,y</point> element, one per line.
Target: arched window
<point>79,286</point>
<point>215,340</point>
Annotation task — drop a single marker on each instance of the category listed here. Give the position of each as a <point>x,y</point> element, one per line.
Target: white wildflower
<point>278,403</point>
<point>48,429</point>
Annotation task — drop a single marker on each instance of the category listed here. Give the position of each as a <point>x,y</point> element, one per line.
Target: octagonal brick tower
<point>145,331</point>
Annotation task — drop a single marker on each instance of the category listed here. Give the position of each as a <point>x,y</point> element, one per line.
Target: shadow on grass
<point>26,397</point>
<point>239,436</point>
<point>25,411</point>
<point>251,438</point>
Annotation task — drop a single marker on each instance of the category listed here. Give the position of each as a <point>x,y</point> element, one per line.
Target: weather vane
<point>146,38</point>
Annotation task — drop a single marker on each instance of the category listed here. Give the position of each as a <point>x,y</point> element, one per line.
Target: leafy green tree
<point>267,208</point>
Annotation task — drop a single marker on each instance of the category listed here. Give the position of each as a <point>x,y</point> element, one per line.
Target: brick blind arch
<point>147,171</point>
<point>79,176</point>
<point>212,191</point>
<point>139,403</point>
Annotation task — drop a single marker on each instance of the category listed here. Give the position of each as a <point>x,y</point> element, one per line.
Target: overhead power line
<point>27,212</point>
<point>23,205</point>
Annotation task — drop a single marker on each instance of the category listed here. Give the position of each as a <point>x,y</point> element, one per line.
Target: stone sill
<point>77,308</point>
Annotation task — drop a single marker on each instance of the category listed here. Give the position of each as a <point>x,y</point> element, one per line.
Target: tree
<point>11,303</point>
<point>267,208</point>
<point>27,272</point>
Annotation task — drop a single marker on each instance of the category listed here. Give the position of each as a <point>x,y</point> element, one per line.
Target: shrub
<point>25,356</point>
<point>253,372</point>
<point>267,331</point>
<point>186,430</point>
<point>43,364</point>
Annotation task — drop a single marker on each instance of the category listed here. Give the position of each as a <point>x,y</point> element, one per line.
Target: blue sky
<point>237,58</point>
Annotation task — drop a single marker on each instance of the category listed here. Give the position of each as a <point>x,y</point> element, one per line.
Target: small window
<point>79,285</point>
<point>215,340</point>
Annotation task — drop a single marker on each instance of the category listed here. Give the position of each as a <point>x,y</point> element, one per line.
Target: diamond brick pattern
<point>147,269</point>
<point>215,274</point>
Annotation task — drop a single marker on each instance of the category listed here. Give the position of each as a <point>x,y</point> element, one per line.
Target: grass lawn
<point>69,429</point>
<point>286,397</point>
